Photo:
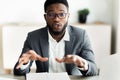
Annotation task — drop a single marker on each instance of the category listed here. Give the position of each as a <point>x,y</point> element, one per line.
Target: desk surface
<point>71,77</point>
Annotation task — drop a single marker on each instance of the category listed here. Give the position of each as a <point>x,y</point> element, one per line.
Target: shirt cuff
<point>25,66</point>
<point>85,68</point>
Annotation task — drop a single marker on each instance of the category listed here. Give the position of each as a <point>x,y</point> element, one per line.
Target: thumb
<point>19,65</point>
<point>60,60</point>
<point>43,59</point>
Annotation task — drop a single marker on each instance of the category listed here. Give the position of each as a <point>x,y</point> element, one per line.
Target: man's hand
<point>80,62</point>
<point>29,55</point>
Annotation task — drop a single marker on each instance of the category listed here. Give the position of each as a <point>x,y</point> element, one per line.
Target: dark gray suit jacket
<point>79,44</point>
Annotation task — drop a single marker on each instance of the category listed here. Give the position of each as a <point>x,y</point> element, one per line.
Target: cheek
<point>49,21</point>
<point>65,20</point>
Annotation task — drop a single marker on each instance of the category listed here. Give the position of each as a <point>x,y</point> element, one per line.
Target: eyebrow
<point>53,10</point>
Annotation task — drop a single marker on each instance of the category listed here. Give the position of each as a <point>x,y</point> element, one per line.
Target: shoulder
<point>38,31</point>
<point>76,30</point>
<point>37,34</point>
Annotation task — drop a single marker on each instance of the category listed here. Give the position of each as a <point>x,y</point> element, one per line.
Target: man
<point>58,47</point>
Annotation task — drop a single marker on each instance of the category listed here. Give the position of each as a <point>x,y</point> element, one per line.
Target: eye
<point>62,14</point>
<point>51,14</point>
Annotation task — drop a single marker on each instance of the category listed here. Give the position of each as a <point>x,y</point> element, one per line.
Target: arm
<point>18,71</point>
<point>88,54</point>
<point>27,55</point>
<point>82,54</point>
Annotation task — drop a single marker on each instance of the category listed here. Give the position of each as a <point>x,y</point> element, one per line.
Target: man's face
<point>56,18</point>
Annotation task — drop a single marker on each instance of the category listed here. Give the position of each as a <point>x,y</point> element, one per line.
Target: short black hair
<point>49,2</point>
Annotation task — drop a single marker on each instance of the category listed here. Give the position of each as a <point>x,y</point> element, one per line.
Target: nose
<point>56,18</point>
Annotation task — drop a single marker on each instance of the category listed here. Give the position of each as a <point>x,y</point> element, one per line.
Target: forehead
<point>56,7</point>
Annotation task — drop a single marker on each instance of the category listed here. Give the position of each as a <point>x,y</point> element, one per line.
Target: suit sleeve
<point>88,54</point>
<point>25,49</point>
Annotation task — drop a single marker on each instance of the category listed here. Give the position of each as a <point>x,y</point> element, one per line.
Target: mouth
<point>57,26</point>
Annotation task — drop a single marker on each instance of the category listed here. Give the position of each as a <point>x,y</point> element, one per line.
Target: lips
<point>57,26</point>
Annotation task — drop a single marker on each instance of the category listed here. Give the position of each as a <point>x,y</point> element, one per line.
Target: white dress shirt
<point>57,50</point>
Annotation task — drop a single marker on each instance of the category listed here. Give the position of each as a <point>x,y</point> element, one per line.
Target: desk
<point>71,77</point>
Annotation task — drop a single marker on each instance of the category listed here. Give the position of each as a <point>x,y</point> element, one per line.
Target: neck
<point>58,37</point>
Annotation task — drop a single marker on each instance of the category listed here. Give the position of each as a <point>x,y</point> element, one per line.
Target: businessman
<point>58,47</point>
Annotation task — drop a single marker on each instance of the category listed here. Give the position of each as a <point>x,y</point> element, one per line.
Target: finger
<point>35,56</point>
<point>74,59</point>
<point>21,60</point>
<point>60,60</point>
<point>32,55</point>
<point>69,56</point>
<point>42,59</point>
<point>19,65</point>
<point>26,55</point>
<point>24,60</point>
<point>70,59</point>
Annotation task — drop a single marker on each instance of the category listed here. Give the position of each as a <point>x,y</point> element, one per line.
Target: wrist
<point>82,64</point>
<point>24,66</point>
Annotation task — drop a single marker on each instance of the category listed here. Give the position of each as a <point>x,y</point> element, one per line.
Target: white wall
<point>32,10</point>
<point>1,58</point>
<point>118,39</point>
<point>118,29</point>
<point>21,11</point>
<point>100,10</point>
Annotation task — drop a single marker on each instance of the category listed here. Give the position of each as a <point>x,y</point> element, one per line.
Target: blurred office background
<point>30,13</point>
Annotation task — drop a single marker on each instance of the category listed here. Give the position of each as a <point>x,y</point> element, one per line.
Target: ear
<point>68,15</point>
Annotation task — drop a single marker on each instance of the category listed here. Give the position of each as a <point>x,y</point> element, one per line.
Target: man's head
<point>49,2</point>
<point>56,15</point>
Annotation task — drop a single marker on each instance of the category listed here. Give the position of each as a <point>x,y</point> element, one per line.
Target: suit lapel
<point>45,47</point>
<point>69,44</point>
<point>69,48</point>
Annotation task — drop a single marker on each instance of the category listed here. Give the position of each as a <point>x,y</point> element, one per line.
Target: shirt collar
<point>66,37</point>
